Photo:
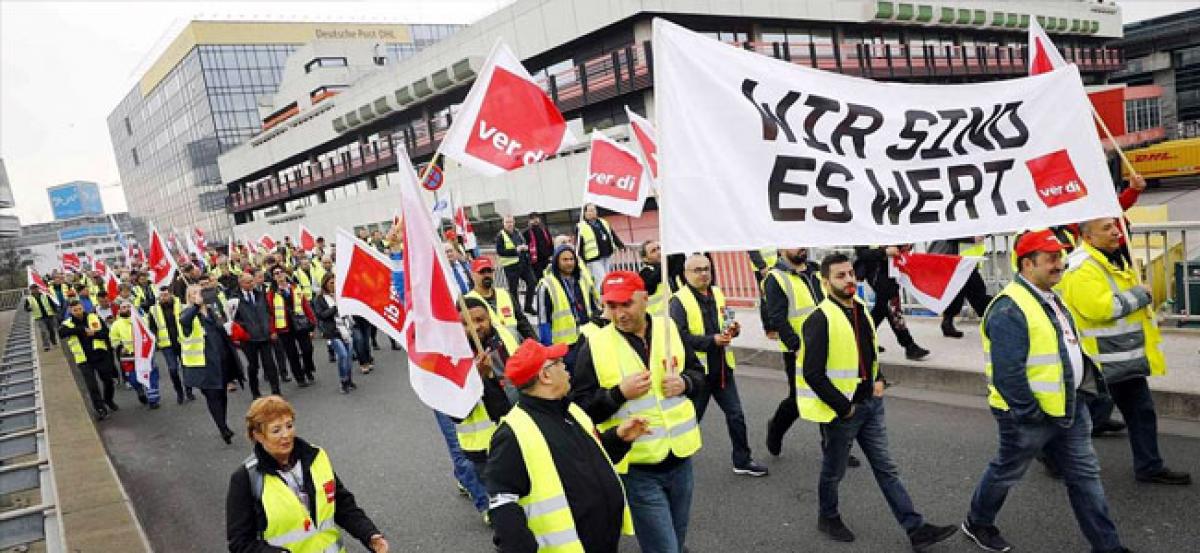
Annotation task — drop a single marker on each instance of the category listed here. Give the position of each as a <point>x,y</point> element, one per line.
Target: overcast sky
<point>65,65</point>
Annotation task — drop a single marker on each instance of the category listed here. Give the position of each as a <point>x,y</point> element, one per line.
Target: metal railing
<point>11,299</point>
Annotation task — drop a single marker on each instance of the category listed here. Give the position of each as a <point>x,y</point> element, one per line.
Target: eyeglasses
<point>700,270</point>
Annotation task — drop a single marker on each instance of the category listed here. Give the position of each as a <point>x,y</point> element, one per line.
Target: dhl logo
<point>1157,156</point>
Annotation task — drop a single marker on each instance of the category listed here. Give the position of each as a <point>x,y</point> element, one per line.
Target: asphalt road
<point>386,447</point>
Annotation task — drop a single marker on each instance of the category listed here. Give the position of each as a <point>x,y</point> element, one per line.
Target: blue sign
<point>84,231</point>
<point>75,199</point>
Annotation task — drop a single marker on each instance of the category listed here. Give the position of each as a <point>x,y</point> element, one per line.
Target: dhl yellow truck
<point>1174,158</point>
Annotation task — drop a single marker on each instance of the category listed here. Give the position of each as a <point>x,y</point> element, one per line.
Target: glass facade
<point>1142,114</point>
<point>167,142</point>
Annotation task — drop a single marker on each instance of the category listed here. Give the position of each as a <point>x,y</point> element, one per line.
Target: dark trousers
<point>98,374</point>
<point>299,350</point>
<point>257,352</point>
<point>171,356</point>
<point>218,405</point>
<point>726,395</point>
<point>975,292</point>
<point>887,306</point>
<point>1071,449</point>
<point>49,331</point>
<point>516,273</point>
<point>868,428</point>
<point>787,412</point>
<point>1133,398</point>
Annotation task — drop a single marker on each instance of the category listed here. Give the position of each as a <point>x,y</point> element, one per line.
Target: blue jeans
<point>867,426</point>
<point>464,469</point>
<point>171,356</point>
<point>1133,398</point>
<point>362,345</point>
<point>341,350</point>
<point>1071,450</point>
<point>735,418</point>
<point>151,391</point>
<point>660,503</point>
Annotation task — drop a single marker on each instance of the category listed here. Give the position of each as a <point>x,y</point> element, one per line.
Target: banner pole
<point>666,280</point>
<point>1120,152</point>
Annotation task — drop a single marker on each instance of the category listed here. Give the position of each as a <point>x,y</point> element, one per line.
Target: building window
<point>1142,114</point>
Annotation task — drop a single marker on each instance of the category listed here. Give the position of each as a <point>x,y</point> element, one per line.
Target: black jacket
<point>590,484</point>
<point>245,519</point>
<point>168,318</point>
<point>543,239</point>
<point>254,319</point>
<point>80,330</point>
<point>327,315</point>
<point>775,302</point>
<point>816,352</point>
<point>701,342</point>
<point>517,240</point>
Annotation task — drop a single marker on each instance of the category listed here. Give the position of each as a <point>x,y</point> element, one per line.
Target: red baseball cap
<point>619,286</point>
<point>527,361</point>
<point>1038,241</point>
<point>482,263</point>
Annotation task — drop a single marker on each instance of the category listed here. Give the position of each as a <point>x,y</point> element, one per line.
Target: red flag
<point>646,139</point>
<point>267,242</point>
<point>1043,56</point>
<point>136,254</point>
<point>143,349</point>
<point>35,278</point>
<point>71,262</point>
<point>933,279</point>
<point>99,265</point>
<point>162,266</point>
<point>364,285</point>
<point>111,284</point>
<point>464,228</point>
<point>307,242</point>
<point>201,243</point>
<point>507,121</point>
<point>615,178</point>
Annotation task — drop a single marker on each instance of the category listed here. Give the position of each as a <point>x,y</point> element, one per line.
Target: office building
<point>1165,52</point>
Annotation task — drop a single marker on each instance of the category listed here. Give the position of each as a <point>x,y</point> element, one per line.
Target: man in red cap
<point>549,472</point>
<point>1039,382</point>
<point>500,303</point>
<point>636,367</point>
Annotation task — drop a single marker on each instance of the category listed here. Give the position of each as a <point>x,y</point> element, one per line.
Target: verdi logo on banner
<point>508,136</point>
<point>760,149</point>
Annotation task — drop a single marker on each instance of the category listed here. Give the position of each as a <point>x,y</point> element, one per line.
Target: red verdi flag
<point>35,278</point>
<point>616,179</point>
<point>1043,56</point>
<point>646,139</point>
<point>507,121</point>
<point>111,284</point>
<point>933,279</point>
<point>267,242</point>
<point>98,265</point>
<point>307,242</point>
<point>201,243</point>
<point>143,349</point>
<point>364,286</point>
<point>71,262</point>
<point>162,266</point>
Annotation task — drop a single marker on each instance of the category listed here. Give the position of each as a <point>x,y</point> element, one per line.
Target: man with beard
<point>500,303</point>
<point>87,340</point>
<point>567,303</point>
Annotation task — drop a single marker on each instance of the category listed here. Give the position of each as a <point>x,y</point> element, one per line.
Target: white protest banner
<point>755,152</point>
<point>616,179</point>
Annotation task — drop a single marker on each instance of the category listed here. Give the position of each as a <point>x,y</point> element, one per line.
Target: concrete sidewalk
<point>956,365</point>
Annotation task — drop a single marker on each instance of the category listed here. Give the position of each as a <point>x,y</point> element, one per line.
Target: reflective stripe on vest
<point>288,522</point>
<point>841,362</point>
<point>547,512</point>
<point>695,320</point>
<point>799,297</point>
<point>587,239</point>
<point>280,320</point>
<point>563,327</point>
<point>506,261</point>
<point>1043,365</point>
<point>672,421</point>
<point>191,347</point>
<point>475,431</point>
<point>504,315</point>
<point>40,306</point>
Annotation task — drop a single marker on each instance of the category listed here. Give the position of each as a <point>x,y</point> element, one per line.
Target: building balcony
<point>10,226</point>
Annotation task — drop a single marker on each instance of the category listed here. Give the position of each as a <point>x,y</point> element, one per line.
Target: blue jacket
<point>1009,332</point>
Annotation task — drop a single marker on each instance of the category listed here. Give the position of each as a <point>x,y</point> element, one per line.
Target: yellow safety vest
<point>546,509</point>
<point>475,431</point>
<point>695,320</point>
<point>658,300</point>
<point>281,321</point>
<point>672,420</point>
<point>160,323</point>
<point>73,343</point>
<point>120,332</point>
<point>504,315</point>
<point>563,327</point>
<point>799,297</point>
<point>841,363</point>
<point>506,261</point>
<point>587,239</point>
<point>288,523</point>
<point>1123,343</point>
<point>1043,366</point>
<point>40,306</point>
<point>191,347</point>
<point>770,256</point>
<point>304,282</point>
<point>318,274</point>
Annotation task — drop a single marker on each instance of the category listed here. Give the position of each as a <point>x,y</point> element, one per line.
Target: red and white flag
<point>136,255</point>
<point>162,265</point>
<point>198,236</point>
<point>111,284</point>
<point>933,279</point>
<point>307,241</point>
<point>71,262</point>
<point>35,278</point>
<point>267,242</point>
<point>143,349</point>
<point>507,121</point>
<point>434,337</point>
<point>1042,54</point>
<point>195,251</point>
<point>646,138</point>
<point>98,265</point>
<point>616,178</point>
<point>364,285</point>
<point>463,226</point>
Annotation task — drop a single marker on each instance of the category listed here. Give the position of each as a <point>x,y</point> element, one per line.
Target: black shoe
<point>352,385</point>
<point>751,469</point>
<point>112,406</point>
<point>774,438</point>
<point>154,406</point>
<point>853,461</point>
<point>332,359</point>
<point>227,435</point>
<point>835,529</point>
<point>882,349</point>
<point>987,537</point>
<point>276,392</point>
<point>375,347</point>
<point>101,413</point>
<point>179,400</point>
<point>143,399</point>
<point>949,331</point>
<point>191,397</point>
<point>1168,477</point>
<point>929,534</point>
<point>47,348</point>
<point>303,383</point>
<point>1106,427</point>
<point>345,387</point>
<point>285,378</point>
<point>396,347</point>
<point>915,353</point>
